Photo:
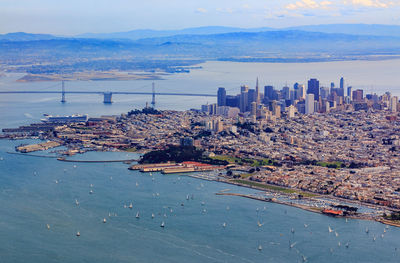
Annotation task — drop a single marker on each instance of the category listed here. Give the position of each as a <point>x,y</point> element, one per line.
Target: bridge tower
<point>107,97</point>
<point>63,92</point>
<point>153,101</point>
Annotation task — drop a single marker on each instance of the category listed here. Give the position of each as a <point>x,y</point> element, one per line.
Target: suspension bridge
<point>107,95</point>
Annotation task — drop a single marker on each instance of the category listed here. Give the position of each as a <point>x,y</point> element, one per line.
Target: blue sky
<point>68,17</point>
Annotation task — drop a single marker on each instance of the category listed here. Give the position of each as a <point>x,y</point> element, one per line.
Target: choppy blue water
<point>30,199</point>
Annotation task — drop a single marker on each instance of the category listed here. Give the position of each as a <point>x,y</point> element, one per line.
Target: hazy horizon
<point>104,16</point>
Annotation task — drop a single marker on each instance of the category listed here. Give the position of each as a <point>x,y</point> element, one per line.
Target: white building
<point>309,103</point>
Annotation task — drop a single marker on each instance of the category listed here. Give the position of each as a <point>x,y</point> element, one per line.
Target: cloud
<point>309,4</point>
<point>225,10</point>
<point>201,10</point>
<point>370,3</point>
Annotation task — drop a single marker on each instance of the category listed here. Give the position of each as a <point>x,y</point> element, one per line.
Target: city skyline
<point>77,17</point>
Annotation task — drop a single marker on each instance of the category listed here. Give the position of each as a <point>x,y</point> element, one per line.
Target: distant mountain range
<point>351,29</point>
<point>301,44</point>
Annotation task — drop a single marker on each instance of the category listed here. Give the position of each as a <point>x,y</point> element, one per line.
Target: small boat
<point>305,225</point>
<point>130,205</point>
<point>152,215</point>
<point>78,234</point>
<point>187,197</point>
<point>330,229</point>
<point>56,181</point>
<point>347,245</point>
<point>292,230</point>
<point>91,185</point>
<point>367,230</point>
<point>336,234</point>
<point>91,191</point>
<point>104,220</point>
<point>76,202</point>
<point>202,203</point>
<point>162,224</point>
<point>259,224</point>
<point>292,245</point>
<point>151,174</point>
<point>259,247</point>
<point>339,244</point>
<point>224,224</point>
<point>137,215</point>
<point>48,226</point>
<point>137,184</point>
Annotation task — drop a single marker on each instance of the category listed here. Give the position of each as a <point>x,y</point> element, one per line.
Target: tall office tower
<point>268,92</point>
<point>254,108</point>
<point>285,93</point>
<point>341,83</point>
<point>296,86</point>
<point>309,103</point>
<point>349,93</point>
<point>313,88</point>
<point>251,97</point>
<point>258,98</point>
<point>324,92</point>
<point>358,95</point>
<point>244,98</point>
<point>233,101</point>
<point>332,85</point>
<point>302,89</point>
<point>221,97</point>
<point>393,104</point>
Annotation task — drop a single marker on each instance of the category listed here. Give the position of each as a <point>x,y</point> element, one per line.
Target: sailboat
<point>259,247</point>
<point>91,191</point>
<point>137,215</point>
<point>152,215</point>
<point>78,234</point>
<point>162,224</point>
<point>330,229</point>
<point>292,230</point>
<point>76,202</point>
<point>187,197</point>
<point>104,220</point>
<point>130,205</point>
<point>259,224</point>
<point>224,224</point>
<point>336,234</point>
<point>48,226</point>
<point>367,230</point>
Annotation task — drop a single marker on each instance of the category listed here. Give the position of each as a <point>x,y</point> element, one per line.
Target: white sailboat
<point>152,215</point>
<point>137,215</point>
<point>259,247</point>
<point>162,224</point>
<point>224,224</point>
<point>48,226</point>
<point>130,205</point>
<point>104,220</point>
<point>78,234</point>
<point>330,229</point>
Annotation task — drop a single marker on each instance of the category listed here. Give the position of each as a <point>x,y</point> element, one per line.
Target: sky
<point>71,17</point>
